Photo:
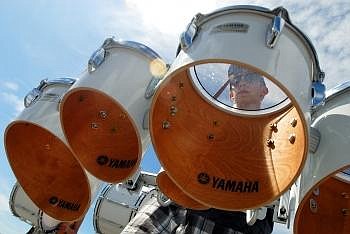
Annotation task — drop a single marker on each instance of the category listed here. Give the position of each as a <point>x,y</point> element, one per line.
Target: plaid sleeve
<point>154,218</point>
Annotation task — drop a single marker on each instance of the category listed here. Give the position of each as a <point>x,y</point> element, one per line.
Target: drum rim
<point>12,197</point>
<point>334,93</point>
<point>37,92</point>
<point>286,103</point>
<point>200,19</point>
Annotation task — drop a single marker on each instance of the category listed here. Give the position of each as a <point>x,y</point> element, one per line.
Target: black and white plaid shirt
<point>154,218</point>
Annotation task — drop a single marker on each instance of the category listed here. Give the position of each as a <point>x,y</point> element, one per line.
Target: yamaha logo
<point>60,203</point>
<point>203,178</point>
<point>103,160</point>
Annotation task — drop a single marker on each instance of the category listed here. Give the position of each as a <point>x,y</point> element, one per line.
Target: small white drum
<point>41,160</point>
<point>117,205</point>
<point>105,114</point>
<point>323,180</point>
<point>22,207</point>
<point>326,208</point>
<point>230,122</point>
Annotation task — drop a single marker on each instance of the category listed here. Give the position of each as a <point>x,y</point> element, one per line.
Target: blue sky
<point>51,39</point>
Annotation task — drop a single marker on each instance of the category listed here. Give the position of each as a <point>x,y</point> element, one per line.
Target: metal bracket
<point>318,93</point>
<point>274,31</point>
<point>187,37</point>
<point>315,138</point>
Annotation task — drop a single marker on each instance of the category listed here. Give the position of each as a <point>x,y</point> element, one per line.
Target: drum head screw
<point>165,124</point>
<point>313,205</point>
<point>103,114</point>
<point>292,138</point>
<point>270,143</point>
<point>345,212</point>
<point>94,126</point>
<point>293,122</point>
<point>273,127</point>
<point>345,195</point>
<point>211,136</point>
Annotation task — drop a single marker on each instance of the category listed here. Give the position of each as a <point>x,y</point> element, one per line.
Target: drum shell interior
<point>190,150</point>
<point>44,165</point>
<point>193,134</point>
<point>117,89</point>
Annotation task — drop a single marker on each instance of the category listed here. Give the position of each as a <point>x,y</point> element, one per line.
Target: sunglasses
<point>248,78</point>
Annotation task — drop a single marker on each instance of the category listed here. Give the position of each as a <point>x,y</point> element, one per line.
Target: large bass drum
<point>217,146</point>
<point>105,113</point>
<point>117,205</point>
<point>40,158</point>
<point>22,207</point>
<point>323,191</point>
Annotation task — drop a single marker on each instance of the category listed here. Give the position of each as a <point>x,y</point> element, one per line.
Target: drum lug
<point>97,58</point>
<point>187,37</point>
<point>33,95</point>
<point>274,31</point>
<point>315,138</point>
<point>318,93</point>
<point>152,86</point>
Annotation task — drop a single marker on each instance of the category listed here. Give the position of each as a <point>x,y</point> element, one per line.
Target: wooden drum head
<point>172,191</point>
<point>225,160</point>
<point>101,134</point>
<point>325,209</point>
<point>47,170</point>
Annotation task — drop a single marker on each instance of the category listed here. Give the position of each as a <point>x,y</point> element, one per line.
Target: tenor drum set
<point>220,144</point>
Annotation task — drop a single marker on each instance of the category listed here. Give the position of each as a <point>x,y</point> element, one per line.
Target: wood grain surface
<point>101,134</point>
<point>222,159</point>
<point>47,170</point>
<point>330,212</point>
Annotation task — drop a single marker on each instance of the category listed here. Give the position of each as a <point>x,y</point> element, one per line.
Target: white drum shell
<point>288,64</point>
<point>124,76</point>
<point>117,206</point>
<point>333,122</point>
<point>44,111</point>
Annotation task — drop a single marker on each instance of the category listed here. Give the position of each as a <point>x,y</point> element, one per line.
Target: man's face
<point>248,91</point>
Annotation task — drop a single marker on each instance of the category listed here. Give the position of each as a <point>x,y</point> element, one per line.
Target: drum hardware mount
<point>274,31</point>
<point>293,122</point>
<point>181,84</point>
<point>315,138</point>
<point>211,136</point>
<point>165,124</point>
<point>316,191</point>
<point>270,143</point>
<point>94,125</point>
<point>313,205</point>
<point>145,121</point>
<point>292,138</point>
<point>173,110</point>
<point>153,85</point>
<point>345,212</point>
<point>273,127</point>
<point>102,114</point>
<point>318,93</point>
<point>345,195</point>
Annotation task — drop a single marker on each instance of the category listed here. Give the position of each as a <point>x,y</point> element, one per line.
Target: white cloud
<point>13,100</point>
<point>4,203</point>
<point>11,85</point>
